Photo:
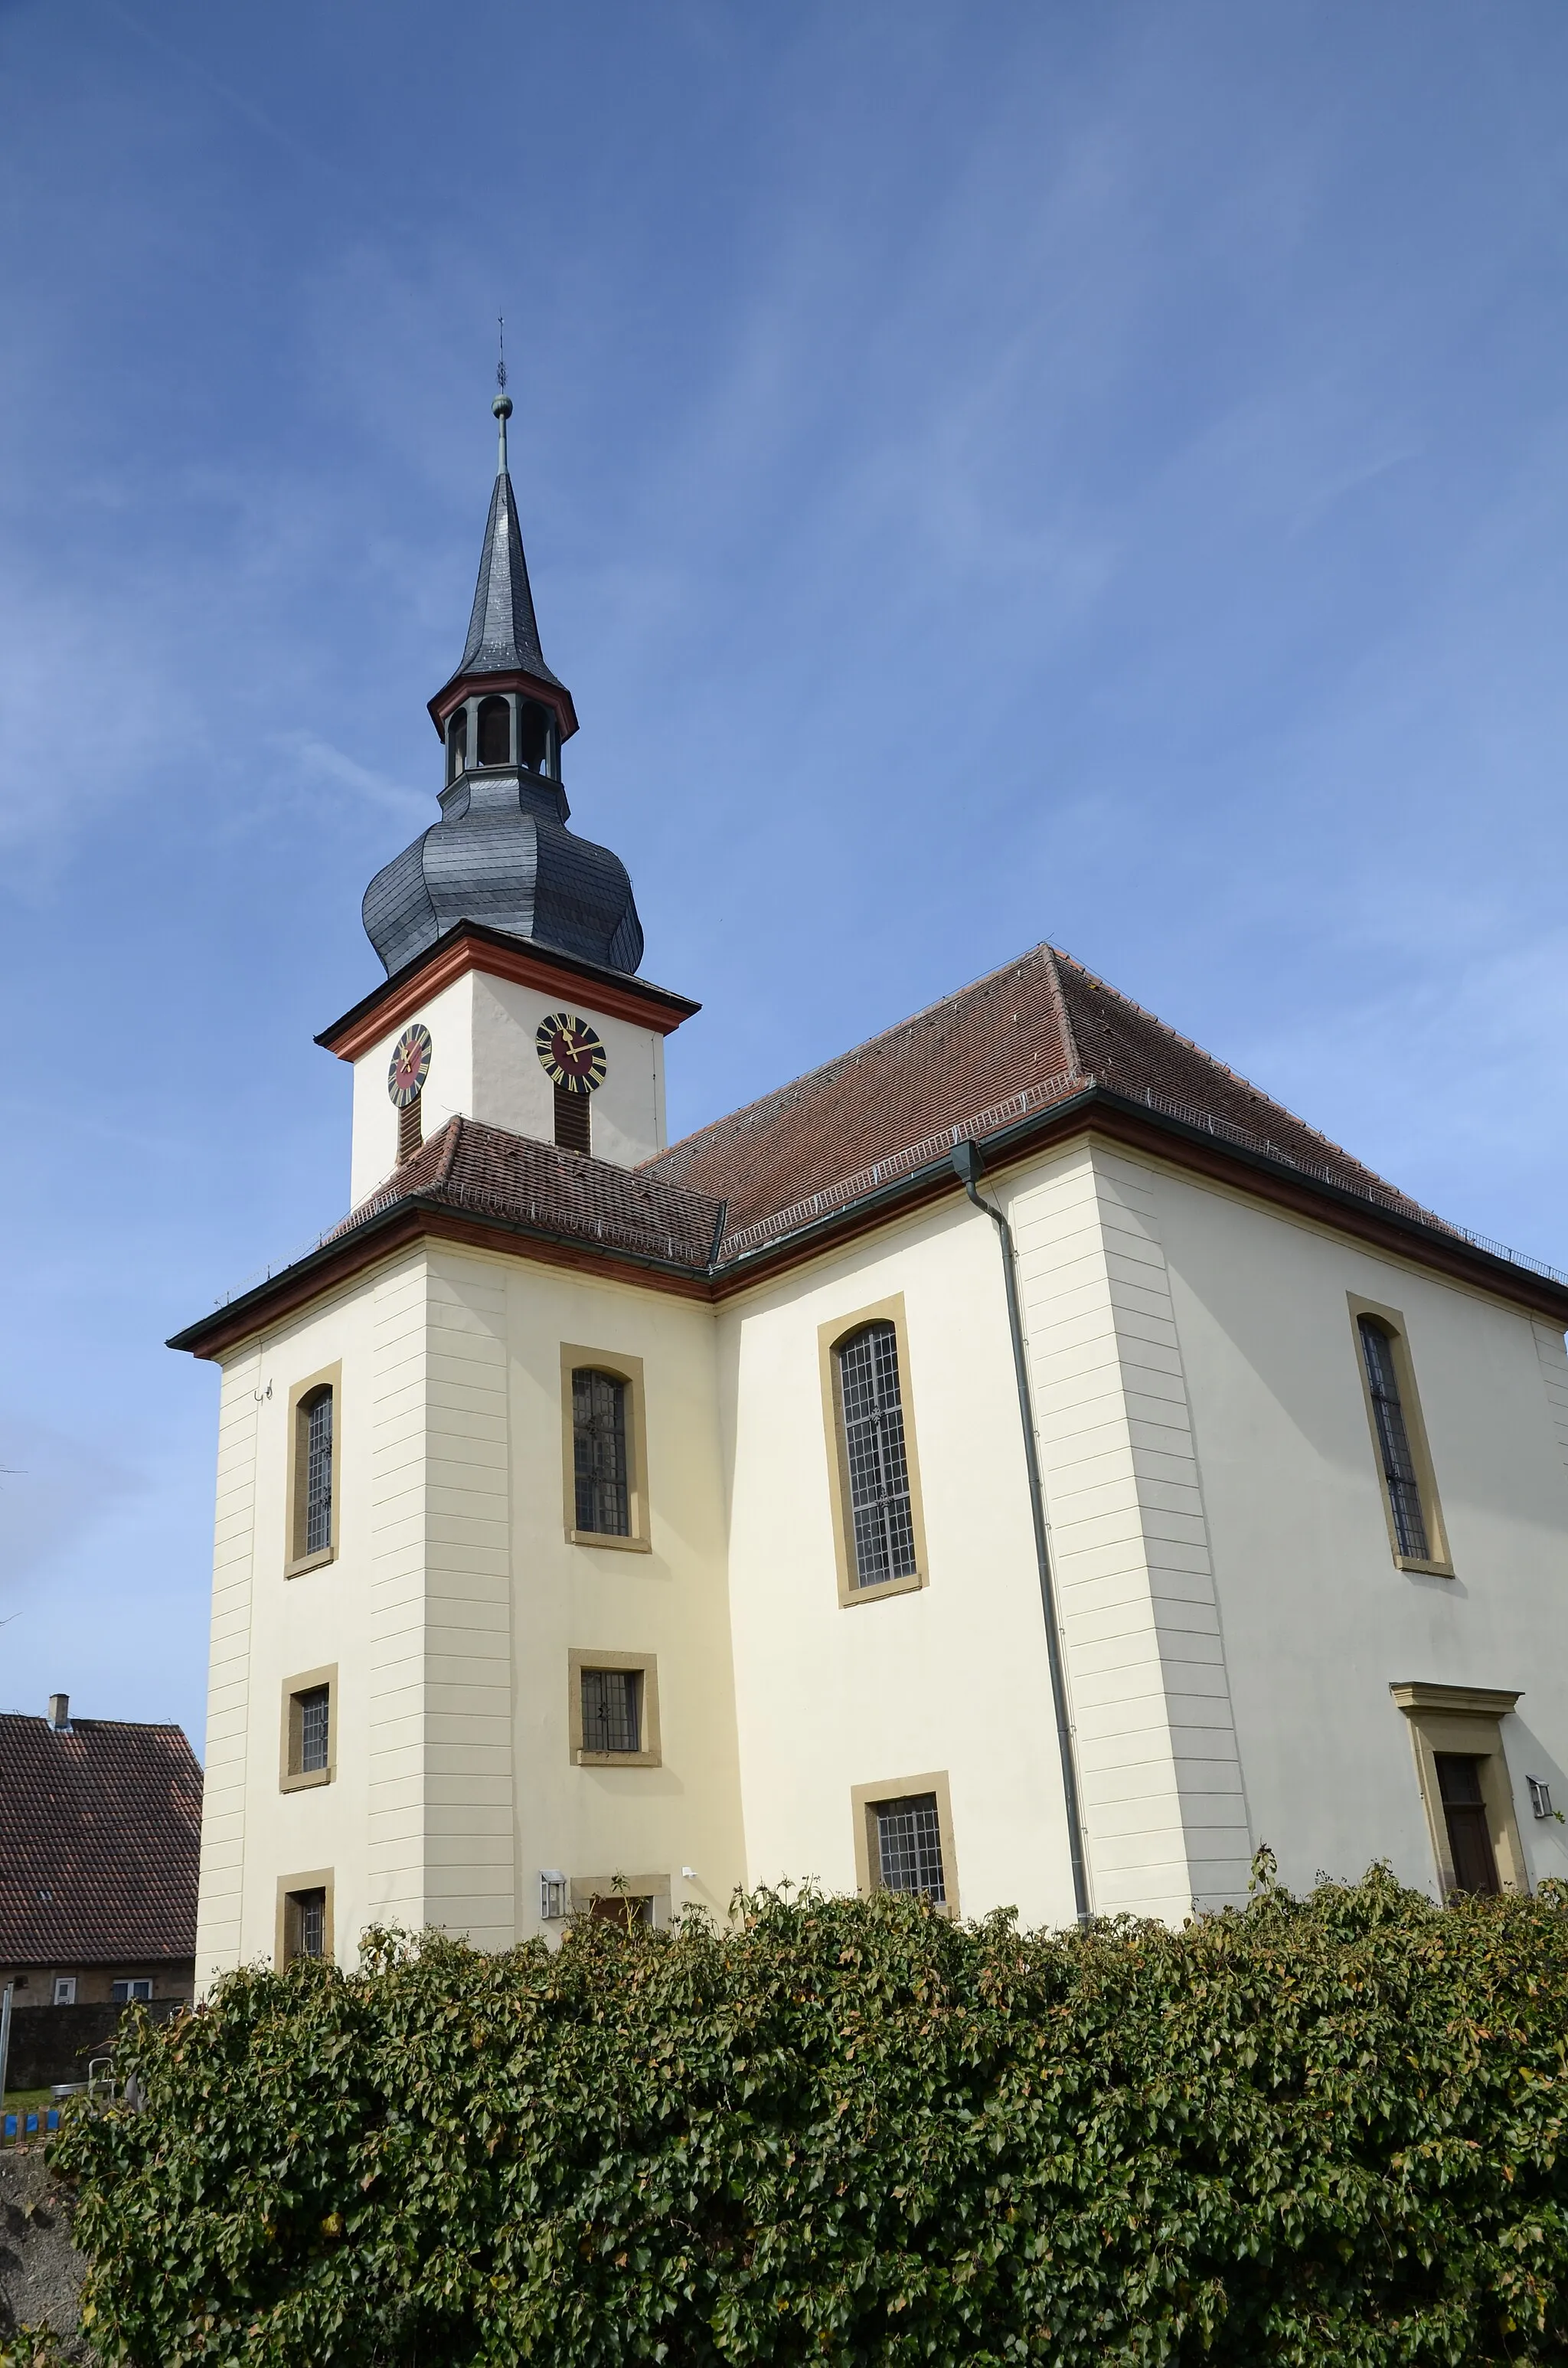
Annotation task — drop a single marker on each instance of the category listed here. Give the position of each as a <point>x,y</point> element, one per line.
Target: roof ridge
<point>910,1019</point>
<point>1063,1017</point>
<point>1235,1075</point>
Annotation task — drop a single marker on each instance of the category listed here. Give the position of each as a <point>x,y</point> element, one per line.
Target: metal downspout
<point>967,1167</point>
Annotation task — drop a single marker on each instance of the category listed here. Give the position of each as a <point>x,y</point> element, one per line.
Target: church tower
<point>511,944</point>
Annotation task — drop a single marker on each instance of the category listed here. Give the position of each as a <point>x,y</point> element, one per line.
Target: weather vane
<point>501,351</point>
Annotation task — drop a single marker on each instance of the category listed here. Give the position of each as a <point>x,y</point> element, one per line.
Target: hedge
<point>1326,2129</point>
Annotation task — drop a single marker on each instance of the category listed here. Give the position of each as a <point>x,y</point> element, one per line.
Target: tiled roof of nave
<point>1042,1021</point>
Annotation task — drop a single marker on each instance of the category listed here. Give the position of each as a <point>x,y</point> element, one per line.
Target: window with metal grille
<point>909,1845</point>
<point>871,1411</point>
<point>573,1121</point>
<point>317,1415</point>
<point>1400,1476</point>
<point>1464,1814</point>
<point>612,1709</point>
<point>307,1923</point>
<point>598,1448</point>
<point>315,1712</point>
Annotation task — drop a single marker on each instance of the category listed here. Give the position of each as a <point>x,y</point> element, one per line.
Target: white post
<point>4,2039</point>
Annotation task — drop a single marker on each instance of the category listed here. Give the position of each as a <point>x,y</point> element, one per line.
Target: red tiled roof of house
<point>100,1832</point>
<point>1038,1030</point>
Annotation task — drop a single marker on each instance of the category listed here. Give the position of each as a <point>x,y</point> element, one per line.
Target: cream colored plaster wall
<point>1318,1618</point>
<point>220,1919</point>
<point>484,1065</point>
<point>670,1602</point>
<point>1163,1804</point>
<point>953,1677</point>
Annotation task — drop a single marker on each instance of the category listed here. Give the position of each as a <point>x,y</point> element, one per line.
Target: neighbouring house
<point>1018,1461</point>
<point>100,1824</point>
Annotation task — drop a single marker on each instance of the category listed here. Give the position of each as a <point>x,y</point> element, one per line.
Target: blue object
<point>52,2119</point>
<point>31,2125</point>
<point>10,2129</point>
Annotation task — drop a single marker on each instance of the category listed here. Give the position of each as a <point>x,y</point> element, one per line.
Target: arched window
<point>599,1460</point>
<point>457,743</point>
<point>870,1408</point>
<point>316,1422</point>
<point>1400,1474</point>
<point>533,736</point>
<point>494,732</point>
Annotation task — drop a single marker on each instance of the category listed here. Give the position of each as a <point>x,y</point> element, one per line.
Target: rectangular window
<point>903,1840</point>
<point>64,1990</point>
<point>1399,1438</point>
<point>873,1472</point>
<point>909,1845</point>
<point>315,1443</point>
<point>605,1448</point>
<point>1456,1733</point>
<point>128,1993</point>
<point>304,1916</point>
<point>613,1709</point>
<point>601,1466</point>
<point>622,1898</point>
<point>308,1753</point>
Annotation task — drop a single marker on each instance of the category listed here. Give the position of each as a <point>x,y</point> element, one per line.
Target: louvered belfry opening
<point>410,1128</point>
<point>573,1121</point>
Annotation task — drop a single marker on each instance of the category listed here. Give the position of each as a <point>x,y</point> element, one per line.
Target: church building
<point>1018,1461</point>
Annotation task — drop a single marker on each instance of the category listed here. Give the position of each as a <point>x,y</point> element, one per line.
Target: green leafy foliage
<point>1315,2130</point>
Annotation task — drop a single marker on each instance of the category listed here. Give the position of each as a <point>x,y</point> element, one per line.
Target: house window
<point>64,1990</point>
<point>573,1121</point>
<point>598,1433</point>
<point>1464,1814</point>
<point>909,1845</point>
<point>494,732</point>
<point>1399,1439</point>
<point>1393,1439</point>
<point>613,1709</point>
<point>312,1470</point>
<point>875,1457</point>
<point>130,1993</point>
<point>308,1738</point>
<point>903,1840</point>
<point>1462,1770</point>
<point>304,1917</point>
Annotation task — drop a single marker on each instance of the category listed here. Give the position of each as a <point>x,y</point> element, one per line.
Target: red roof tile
<point>100,1832</point>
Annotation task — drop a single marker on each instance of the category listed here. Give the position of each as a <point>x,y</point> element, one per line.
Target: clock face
<point>409,1065</point>
<point>572,1053</point>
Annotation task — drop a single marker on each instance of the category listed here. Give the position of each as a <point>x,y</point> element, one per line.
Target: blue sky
<point>989,473</point>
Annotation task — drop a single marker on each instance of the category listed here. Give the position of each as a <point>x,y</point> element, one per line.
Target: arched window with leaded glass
<point>880,1512</point>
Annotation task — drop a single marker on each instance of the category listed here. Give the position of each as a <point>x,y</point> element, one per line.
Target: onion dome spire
<point>502,854</point>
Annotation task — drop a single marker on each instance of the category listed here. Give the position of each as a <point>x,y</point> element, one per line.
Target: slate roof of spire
<point>503,634</point>
<point>1037,1031</point>
<point>100,1834</point>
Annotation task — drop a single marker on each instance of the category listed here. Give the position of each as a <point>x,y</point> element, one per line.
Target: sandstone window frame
<point>1438,1563</point>
<point>627,1369</point>
<point>1467,1721</point>
<point>297,1560</point>
<point>291,1890</point>
<point>832,1337</point>
<point>865,1801</point>
<point>292,1774</point>
<point>651,1754</point>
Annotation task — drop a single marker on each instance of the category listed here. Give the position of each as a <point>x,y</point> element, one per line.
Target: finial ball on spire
<point>502,406</point>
